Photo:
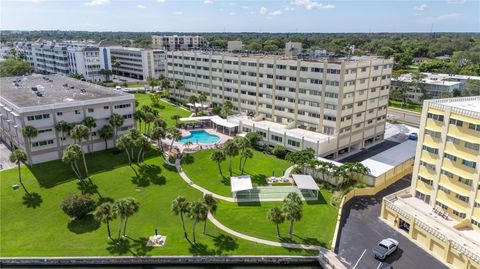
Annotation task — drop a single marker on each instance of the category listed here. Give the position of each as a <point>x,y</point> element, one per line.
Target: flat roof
<point>56,89</point>
<point>280,128</point>
<point>241,183</point>
<point>305,182</point>
<point>471,103</point>
<point>389,159</point>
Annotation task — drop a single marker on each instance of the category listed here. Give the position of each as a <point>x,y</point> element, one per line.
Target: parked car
<point>385,248</point>
<point>413,136</point>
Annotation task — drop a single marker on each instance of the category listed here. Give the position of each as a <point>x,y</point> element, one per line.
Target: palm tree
<point>340,173</point>
<point>188,144</point>
<point>174,134</point>
<point>143,145</point>
<point>152,82</point>
<point>105,213</point>
<point>125,143</point>
<point>159,122</point>
<point>78,133</point>
<point>115,64</point>
<point>62,127</point>
<point>242,144</point>
<point>106,132</point>
<point>211,204</point>
<point>132,207</point>
<point>158,133</point>
<point>227,108</point>
<point>198,212</point>
<point>28,133</point>
<point>71,155</point>
<point>121,208</point>
<point>193,100</point>
<point>180,206</point>
<point>139,115</point>
<point>165,84</point>
<point>230,149</point>
<point>218,156</point>
<point>294,198</point>
<point>293,212</point>
<point>247,154</point>
<point>116,121</point>
<point>90,123</point>
<point>202,98</point>
<point>149,118</point>
<point>19,156</point>
<point>179,84</point>
<point>275,216</point>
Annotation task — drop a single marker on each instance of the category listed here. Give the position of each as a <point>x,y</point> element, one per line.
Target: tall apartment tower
<point>342,101</point>
<point>175,42</point>
<point>446,172</point>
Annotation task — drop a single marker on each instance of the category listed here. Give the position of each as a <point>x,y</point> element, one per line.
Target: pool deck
<point>199,146</point>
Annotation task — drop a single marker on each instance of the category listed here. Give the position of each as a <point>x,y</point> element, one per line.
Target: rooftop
<point>389,159</point>
<point>462,104</point>
<point>54,89</point>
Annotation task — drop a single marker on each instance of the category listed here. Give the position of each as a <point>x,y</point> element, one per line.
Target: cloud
<point>309,4</point>
<point>275,13</point>
<point>208,2</point>
<point>141,6</point>
<point>263,10</point>
<point>456,1</point>
<point>232,13</point>
<point>421,7</point>
<point>245,7</point>
<point>161,1</point>
<point>97,3</point>
<point>178,13</point>
<point>288,8</point>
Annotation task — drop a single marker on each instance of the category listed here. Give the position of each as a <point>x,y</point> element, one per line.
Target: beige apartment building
<point>175,42</point>
<point>441,209</point>
<point>43,101</point>
<point>335,106</point>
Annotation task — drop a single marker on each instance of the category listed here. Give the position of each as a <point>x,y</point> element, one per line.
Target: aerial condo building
<point>335,106</point>
<point>43,101</point>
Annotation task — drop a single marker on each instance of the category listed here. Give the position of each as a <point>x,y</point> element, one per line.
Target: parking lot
<point>361,229</point>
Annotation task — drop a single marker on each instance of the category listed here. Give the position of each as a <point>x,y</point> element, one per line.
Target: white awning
<point>224,123</point>
<point>241,183</point>
<point>197,118</point>
<point>205,105</point>
<point>305,182</point>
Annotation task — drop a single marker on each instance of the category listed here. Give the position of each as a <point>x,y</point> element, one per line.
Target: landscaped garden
<point>165,109</point>
<point>35,225</point>
<point>204,172</point>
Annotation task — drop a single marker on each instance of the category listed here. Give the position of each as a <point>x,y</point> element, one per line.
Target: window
<point>277,138</point>
<point>475,127</point>
<point>461,197</point>
<point>427,165</point>
<point>433,133</point>
<point>465,181</point>
<point>470,164</point>
<point>429,149</point>
<point>435,117</point>
<point>476,223</point>
<point>441,205</point>
<point>42,143</point>
<point>331,94</point>
<point>454,140</point>
<point>293,143</point>
<point>446,173</point>
<point>122,106</point>
<point>77,112</point>
<point>443,189</point>
<point>316,70</point>
<point>41,131</point>
<point>476,204</point>
<point>293,68</point>
<point>456,122</point>
<point>38,117</point>
<point>422,196</point>
<point>90,110</point>
<point>106,107</point>
<point>59,113</point>
<point>450,157</point>
<point>426,180</point>
<point>459,214</point>
<point>472,146</point>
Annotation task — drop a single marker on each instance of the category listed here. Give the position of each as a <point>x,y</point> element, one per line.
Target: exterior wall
<point>137,63</point>
<point>345,99</point>
<point>178,42</point>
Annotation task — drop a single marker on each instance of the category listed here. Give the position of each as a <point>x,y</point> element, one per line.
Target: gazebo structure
<point>241,186</point>
<point>307,185</point>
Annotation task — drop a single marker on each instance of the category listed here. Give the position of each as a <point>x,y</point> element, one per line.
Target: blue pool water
<point>201,137</point>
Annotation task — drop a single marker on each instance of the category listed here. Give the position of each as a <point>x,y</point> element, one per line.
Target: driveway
<point>361,229</point>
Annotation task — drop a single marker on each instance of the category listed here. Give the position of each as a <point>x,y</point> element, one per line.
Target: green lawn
<point>316,227</point>
<point>204,171</point>
<point>411,107</point>
<point>166,111</point>
<point>36,226</point>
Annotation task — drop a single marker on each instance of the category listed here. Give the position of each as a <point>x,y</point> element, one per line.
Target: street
<point>361,229</point>
<point>404,116</point>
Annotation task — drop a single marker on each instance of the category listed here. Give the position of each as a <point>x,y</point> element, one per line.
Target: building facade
<point>344,100</point>
<point>175,42</point>
<point>43,101</point>
<point>441,209</point>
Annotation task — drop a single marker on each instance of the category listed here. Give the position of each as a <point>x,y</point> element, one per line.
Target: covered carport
<point>307,185</point>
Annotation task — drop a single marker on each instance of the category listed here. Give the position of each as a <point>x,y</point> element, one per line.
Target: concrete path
<point>288,171</point>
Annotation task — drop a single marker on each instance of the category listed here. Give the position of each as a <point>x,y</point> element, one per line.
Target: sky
<point>325,16</point>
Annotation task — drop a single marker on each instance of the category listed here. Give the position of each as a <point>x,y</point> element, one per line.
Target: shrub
<point>280,152</point>
<point>172,159</point>
<point>78,206</point>
<point>216,110</point>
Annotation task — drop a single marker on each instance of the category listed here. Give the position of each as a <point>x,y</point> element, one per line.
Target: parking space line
<point>379,264</point>
<point>359,259</point>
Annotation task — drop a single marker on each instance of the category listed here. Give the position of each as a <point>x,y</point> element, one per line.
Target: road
<point>404,116</point>
<point>361,229</point>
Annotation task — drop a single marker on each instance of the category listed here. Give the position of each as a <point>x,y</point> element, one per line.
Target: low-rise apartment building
<point>336,100</point>
<point>43,101</point>
<point>175,42</point>
<point>441,209</point>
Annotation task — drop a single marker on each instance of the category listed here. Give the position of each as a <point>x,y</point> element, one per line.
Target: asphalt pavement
<point>412,118</point>
<point>361,229</point>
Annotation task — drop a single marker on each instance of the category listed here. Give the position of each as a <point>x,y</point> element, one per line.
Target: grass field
<point>166,111</point>
<point>35,225</point>
<point>204,171</point>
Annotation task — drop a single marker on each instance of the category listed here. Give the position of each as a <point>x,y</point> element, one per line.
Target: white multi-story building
<point>175,42</point>
<point>339,102</point>
<point>62,58</point>
<point>42,101</point>
<point>136,63</point>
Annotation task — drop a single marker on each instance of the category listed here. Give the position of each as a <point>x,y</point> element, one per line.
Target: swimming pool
<point>200,137</point>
